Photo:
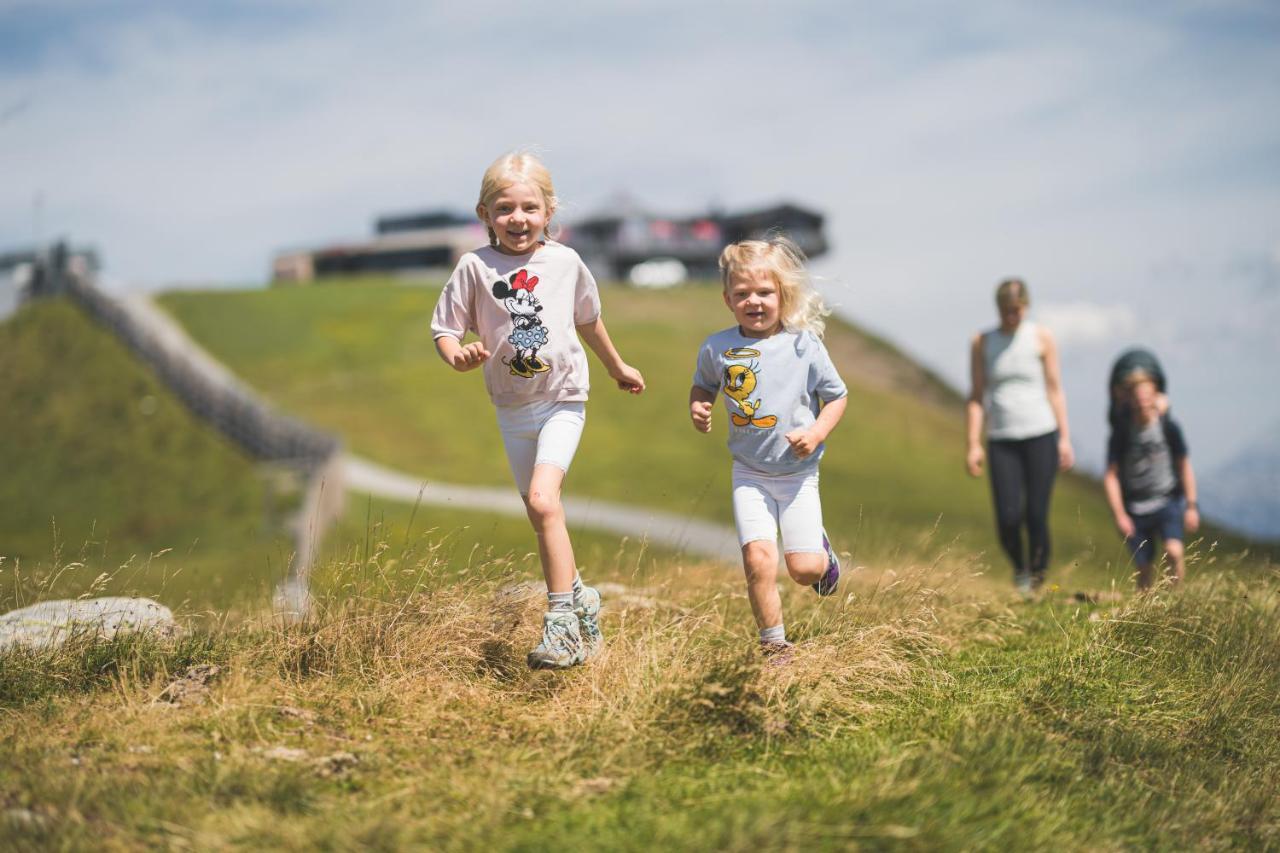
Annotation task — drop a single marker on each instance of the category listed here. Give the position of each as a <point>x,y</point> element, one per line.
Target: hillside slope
<point>357,358</point>
<point>921,707</point>
<point>112,486</point>
<point>106,472</point>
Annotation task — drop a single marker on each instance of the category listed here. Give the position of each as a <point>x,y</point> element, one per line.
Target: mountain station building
<point>643,247</point>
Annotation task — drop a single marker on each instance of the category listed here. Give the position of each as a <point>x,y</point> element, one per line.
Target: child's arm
<point>1111,485</point>
<point>701,402</point>
<point>805,441</point>
<point>1191,518</point>
<point>461,358</point>
<point>974,454</point>
<point>597,337</point>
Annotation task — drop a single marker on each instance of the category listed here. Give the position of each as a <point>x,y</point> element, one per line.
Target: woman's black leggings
<point>1022,475</point>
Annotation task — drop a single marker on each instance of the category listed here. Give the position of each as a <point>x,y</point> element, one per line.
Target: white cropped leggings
<point>762,503</point>
<point>541,432</point>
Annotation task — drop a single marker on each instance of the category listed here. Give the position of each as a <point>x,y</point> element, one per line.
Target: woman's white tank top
<point>1017,400</point>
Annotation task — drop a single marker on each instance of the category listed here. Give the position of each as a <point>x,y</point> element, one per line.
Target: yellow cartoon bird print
<point>739,382</point>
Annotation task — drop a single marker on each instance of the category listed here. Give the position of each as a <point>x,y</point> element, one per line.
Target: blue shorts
<point>1163,524</point>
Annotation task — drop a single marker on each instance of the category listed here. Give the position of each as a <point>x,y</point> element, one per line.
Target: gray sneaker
<point>561,645</point>
<point>587,608</point>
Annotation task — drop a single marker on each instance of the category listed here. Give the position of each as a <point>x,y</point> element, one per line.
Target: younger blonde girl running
<point>783,398</point>
<point>528,299</point>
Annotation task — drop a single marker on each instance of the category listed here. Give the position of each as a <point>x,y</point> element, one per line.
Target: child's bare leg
<point>806,568</point>
<point>1176,567</point>
<point>760,563</point>
<point>1144,577</point>
<point>546,513</point>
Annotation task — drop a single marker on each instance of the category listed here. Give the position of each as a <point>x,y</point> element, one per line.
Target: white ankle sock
<point>577,585</point>
<point>559,601</point>
<point>776,634</point>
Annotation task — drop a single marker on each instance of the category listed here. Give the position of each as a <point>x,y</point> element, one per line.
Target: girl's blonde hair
<point>1013,291</point>
<point>801,307</point>
<point>516,167</point>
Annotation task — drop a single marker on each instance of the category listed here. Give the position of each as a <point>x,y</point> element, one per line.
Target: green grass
<point>106,473</point>
<point>928,711</point>
<point>113,487</point>
<point>358,359</point>
<point>925,707</point>
<point>471,544</point>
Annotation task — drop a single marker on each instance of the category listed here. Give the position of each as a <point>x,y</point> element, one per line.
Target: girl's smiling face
<point>752,295</point>
<point>518,216</point>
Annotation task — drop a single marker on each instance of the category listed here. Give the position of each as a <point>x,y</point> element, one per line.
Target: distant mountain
<point>1244,493</point>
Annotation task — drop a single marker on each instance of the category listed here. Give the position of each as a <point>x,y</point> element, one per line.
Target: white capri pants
<point>541,432</point>
<point>764,502</point>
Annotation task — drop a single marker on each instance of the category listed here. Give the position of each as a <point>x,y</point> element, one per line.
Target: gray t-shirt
<point>770,386</point>
<point>1146,469</point>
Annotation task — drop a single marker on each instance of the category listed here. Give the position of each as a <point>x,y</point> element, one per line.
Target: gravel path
<point>175,340</point>
<point>679,532</point>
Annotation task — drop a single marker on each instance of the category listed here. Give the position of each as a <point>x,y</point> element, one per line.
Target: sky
<point>1122,158</point>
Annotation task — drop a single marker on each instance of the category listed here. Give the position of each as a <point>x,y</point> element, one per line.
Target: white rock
<point>51,623</point>
<point>25,820</point>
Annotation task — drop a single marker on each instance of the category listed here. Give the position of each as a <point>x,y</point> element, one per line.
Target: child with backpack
<point>1149,483</point>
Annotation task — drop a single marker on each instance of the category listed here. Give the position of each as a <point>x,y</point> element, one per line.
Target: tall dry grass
<point>680,668</point>
<point>914,686</point>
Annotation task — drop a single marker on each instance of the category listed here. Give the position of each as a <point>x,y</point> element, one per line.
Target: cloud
<point>225,136</point>
<point>1080,146</point>
<point>1087,323</point>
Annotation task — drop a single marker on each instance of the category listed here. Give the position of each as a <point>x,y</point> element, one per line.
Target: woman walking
<point>1017,393</point>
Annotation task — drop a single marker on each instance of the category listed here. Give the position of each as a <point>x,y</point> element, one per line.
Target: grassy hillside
<point>106,472</point>
<point>924,707</point>
<point>111,486</point>
<point>922,712</point>
<point>358,358</point>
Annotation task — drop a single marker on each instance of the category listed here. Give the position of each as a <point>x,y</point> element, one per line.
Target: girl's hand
<point>469,357</point>
<point>1191,518</point>
<point>803,442</point>
<point>700,412</point>
<point>1066,456</point>
<point>973,461</point>
<point>628,379</point>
